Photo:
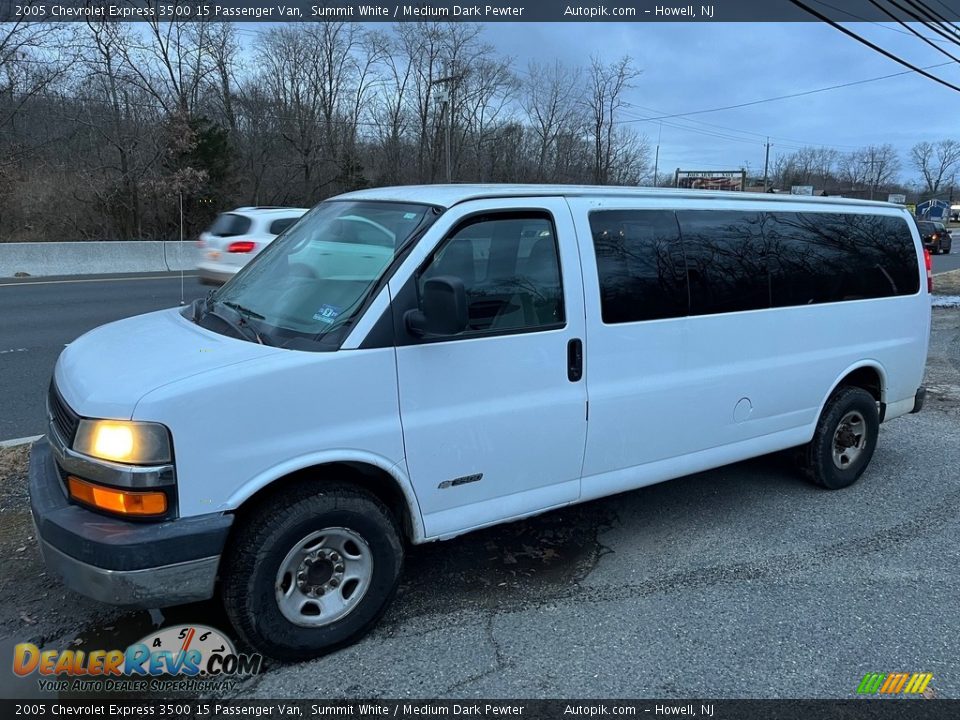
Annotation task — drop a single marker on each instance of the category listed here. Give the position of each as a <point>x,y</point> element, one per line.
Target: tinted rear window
<point>725,260</point>
<point>278,226</point>
<point>651,261</point>
<point>641,265</point>
<point>827,257</point>
<point>230,225</point>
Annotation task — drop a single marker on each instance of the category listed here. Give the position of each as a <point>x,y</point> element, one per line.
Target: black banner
<point>853,709</point>
<point>445,10</point>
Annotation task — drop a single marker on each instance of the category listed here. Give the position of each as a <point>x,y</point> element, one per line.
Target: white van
<point>510,350</point>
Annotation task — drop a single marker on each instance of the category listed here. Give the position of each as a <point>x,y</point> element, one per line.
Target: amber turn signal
<point>122,502</point>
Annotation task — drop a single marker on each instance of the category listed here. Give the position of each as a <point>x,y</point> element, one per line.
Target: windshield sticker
<point>327,313</point>
<point>409,216</point>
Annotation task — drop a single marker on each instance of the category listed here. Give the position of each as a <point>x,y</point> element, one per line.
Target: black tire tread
<point>812,456</point>
<point>248,550</point>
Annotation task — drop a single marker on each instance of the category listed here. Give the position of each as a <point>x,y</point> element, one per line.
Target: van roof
<point>449,195</point>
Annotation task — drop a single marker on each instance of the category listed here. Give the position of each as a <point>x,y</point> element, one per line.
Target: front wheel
<point>312,570</point>
<point>844,440</point>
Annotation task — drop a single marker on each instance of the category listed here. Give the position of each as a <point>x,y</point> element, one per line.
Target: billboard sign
<point>801,189</point>
<point>897,198</point>
<point>711,179</point>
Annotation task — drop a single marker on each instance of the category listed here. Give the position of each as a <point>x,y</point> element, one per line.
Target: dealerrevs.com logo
<point>183,657</point>
<point>898,683</point>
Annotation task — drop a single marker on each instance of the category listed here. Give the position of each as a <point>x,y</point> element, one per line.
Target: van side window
<point>511,270</point>
<point>726,260</point>
<point>640,264</point>
<point>656,264</point>
<point>830,257</point>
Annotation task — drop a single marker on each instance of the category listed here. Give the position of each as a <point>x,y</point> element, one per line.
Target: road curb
<point>17,442</point>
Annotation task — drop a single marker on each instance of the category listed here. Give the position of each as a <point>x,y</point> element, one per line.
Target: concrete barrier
<point>92,258</point>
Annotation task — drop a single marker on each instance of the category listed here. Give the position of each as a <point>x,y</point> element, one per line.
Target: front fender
<point>326,457</point>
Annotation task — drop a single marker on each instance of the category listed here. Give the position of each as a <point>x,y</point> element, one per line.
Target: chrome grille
<point>64,419</point>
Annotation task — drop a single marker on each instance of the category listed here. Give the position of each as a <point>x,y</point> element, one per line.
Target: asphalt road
<point>745,581</point>
<point>943,263</point>
<point>39,316</point>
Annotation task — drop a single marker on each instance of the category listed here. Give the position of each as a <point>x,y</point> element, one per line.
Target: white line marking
<point>94,280</point>
<point>19,441</point>
<point>12,350</point>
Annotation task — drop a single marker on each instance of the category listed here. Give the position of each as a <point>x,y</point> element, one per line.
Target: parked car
<point>409,364</point>
<point>935,236</point>
<point>238,236</point>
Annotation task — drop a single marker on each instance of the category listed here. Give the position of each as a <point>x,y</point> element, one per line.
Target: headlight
<point>137,443</point>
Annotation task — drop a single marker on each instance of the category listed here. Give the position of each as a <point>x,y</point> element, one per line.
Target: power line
<point>885,26</point>
<point>919,35</point>
<point>872,46</point>
<point>799,94</point>
<point>761,137</point>
<point>928,19</point>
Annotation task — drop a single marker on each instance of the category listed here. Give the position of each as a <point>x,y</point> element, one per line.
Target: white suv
<point>237,236</point>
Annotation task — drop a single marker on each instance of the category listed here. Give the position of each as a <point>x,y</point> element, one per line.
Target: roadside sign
<point>897,198</point>
<point>801,189</point>
<point>711,179</point>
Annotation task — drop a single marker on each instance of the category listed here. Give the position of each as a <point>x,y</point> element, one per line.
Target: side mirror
<point>444,308</point>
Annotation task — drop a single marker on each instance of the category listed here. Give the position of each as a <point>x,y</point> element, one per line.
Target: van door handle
<point>575,360</point>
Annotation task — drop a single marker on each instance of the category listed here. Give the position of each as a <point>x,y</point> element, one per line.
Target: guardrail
<point>93,258</point>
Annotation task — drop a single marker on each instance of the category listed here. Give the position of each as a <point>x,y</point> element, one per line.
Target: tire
<point>857,410</point>
<point>260,601</point>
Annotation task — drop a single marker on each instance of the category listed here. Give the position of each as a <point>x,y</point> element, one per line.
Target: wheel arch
<point>383,479</point>
<point>866,374</point>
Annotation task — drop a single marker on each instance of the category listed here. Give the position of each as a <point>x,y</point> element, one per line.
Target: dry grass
<point>13,477</point>
<point>947,283</point>
<point>13,461</point>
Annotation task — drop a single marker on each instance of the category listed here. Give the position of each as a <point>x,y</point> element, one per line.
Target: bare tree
<point>554,104</point>
<point>882,164</point>
<point>936,162</point>
<point>606,87</point>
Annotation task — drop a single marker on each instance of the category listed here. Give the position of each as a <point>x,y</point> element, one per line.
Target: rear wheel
<point>312,570</point>
<point>844,440</point>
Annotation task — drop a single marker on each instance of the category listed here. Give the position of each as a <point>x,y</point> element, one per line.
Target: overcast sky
<point>699,65</point>
<point>693,66</point>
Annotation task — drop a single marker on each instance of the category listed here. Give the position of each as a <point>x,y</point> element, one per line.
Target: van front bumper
<point>135,564</point>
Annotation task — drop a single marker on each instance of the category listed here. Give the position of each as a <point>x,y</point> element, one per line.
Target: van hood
<point>105,373</point>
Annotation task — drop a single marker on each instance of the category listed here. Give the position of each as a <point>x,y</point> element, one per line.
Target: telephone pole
<point>447,119</point>
<point>766,166</point>
<point>656,157</point>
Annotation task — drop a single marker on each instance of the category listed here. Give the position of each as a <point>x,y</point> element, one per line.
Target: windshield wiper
<point>245,311</point>
<point>242,328</point>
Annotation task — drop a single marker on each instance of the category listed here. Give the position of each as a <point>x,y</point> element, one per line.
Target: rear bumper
<point>919,399</point>
<point>121,562</point>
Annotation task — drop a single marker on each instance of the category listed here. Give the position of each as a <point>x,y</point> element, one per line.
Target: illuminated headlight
<point>137,443</point>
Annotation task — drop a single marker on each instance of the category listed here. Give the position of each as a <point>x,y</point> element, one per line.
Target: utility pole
<point>656,157</point>
<point>447,119</point>
<point>766,166</point>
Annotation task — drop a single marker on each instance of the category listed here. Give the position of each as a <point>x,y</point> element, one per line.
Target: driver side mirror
<point>444,308</point>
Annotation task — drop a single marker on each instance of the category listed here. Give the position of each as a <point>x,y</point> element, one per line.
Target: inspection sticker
<point>327,313</point>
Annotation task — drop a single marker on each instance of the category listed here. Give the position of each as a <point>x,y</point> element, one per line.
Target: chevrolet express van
<point>408,364</point>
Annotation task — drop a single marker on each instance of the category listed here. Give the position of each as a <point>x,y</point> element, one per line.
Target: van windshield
<point>313,279</point>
